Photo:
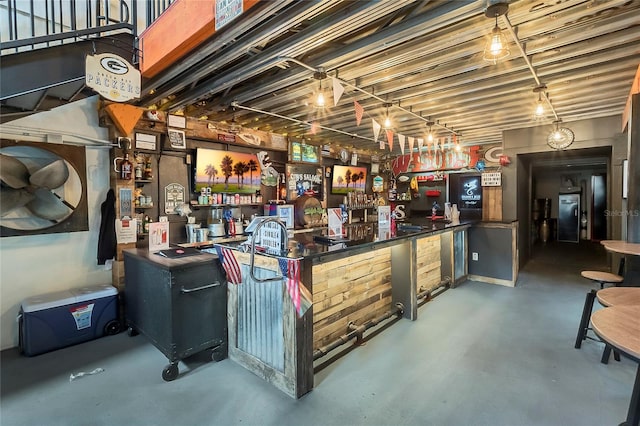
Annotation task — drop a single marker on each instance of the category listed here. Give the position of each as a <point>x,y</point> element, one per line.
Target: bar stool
<point>602,278</point>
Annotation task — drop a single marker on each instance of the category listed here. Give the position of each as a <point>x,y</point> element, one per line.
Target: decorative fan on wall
<point>39,190</point>
<point>560,137</point>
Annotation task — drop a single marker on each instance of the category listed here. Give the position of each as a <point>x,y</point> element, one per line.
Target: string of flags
<point>437,144</point>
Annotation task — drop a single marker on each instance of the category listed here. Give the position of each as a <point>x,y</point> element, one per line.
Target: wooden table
<point>619,326</point>
<point>617,296</point>
<point>622,247</point>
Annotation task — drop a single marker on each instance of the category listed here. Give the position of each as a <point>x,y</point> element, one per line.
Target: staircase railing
<point>34,24</point>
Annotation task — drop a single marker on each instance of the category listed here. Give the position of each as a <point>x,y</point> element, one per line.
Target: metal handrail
<point>42,22</point>
<point>253,249</point>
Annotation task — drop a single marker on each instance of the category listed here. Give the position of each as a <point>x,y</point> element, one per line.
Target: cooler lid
<point>93,292</point>
<point>67,297</point>
<point>49,300</point>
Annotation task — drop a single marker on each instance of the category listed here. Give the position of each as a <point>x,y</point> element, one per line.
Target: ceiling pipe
<point>529,64</point>
<point>235,104</point>
<point>384,101</point>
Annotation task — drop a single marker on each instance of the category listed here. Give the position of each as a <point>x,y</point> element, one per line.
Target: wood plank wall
<point>492,203</point>
<point>428,263</point>
<point>353,289</point>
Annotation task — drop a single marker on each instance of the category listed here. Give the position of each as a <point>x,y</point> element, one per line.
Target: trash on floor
<point>72,377</point>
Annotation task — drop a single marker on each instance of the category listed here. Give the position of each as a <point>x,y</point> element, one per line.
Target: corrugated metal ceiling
<point>423,57</point>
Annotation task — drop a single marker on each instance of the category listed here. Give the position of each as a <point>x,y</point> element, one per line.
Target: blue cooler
<point>55,320</point>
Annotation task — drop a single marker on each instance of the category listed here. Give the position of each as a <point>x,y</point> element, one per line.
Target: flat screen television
<point>348,178</point>
<point>226,171</point>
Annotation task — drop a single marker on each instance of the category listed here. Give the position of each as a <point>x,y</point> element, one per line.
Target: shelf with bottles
<point>143,170</point>
<point>194,203</point>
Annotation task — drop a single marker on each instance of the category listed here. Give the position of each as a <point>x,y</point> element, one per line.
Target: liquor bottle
<point>148,172</point>
<point>126,168</point>
<point>138,170</point>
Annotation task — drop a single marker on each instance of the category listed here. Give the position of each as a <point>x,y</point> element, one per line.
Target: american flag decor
<point>291,270</point>
<point>230,264</point>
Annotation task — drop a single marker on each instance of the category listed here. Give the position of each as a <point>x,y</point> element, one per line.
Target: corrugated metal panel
<point>260,327</point>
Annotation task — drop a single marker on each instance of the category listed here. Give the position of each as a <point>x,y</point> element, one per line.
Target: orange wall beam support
<point>179,30</point>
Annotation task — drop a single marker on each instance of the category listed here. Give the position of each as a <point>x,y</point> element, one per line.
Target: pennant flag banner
<point>411,141</point>
<point>359,112</point>
<point>300,296</point>
<point>401,140</point>
<point>338,90</point>
<point>420,143</point>
<point>376,130</point>
<point>390,139</point>
<point>230,264</point>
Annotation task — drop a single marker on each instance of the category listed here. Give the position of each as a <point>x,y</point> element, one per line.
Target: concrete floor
<point>479,354</point>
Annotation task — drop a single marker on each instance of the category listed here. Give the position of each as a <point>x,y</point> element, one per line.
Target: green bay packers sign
<point>112,77</point>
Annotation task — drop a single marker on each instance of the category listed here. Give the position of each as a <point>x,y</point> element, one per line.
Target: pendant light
<point>540,109</point>
<point>387,119</point>
<point>319,75</point>
<point>497,47</point>
<point>430,134</point>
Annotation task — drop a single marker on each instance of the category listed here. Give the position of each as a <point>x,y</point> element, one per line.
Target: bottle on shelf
<point>126,168</point>
<point>148,172</point>
<point>138,170</point>
<point>146,222</point>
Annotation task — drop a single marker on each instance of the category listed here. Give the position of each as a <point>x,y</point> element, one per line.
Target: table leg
<point>633,415</point>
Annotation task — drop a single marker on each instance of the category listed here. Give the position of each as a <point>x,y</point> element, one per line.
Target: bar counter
<point>353,285</point>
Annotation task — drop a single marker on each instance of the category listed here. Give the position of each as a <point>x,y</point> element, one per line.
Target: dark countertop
<point>361,236</point>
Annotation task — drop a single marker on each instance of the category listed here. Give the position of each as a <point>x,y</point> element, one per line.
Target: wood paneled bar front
<point>354,286</point>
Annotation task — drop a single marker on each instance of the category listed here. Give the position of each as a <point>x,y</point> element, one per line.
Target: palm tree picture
<point>348,178</point>
<point>232,166</point>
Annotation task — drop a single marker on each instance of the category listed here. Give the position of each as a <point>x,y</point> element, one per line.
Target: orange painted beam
<point>179,30</point>
<point>635,88</point>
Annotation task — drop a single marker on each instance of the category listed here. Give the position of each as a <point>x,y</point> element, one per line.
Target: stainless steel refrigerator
<point>569,217</point>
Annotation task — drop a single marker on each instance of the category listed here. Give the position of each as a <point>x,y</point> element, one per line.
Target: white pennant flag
<point>411,140</point>
<point>376,130</point>
<point>420,142</point>
<point>401,140</point>
<point>338,90</point>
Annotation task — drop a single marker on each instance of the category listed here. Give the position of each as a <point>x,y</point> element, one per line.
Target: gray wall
<point>602,132</point>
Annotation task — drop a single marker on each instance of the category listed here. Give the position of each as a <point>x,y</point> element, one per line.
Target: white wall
<point>36,264</point>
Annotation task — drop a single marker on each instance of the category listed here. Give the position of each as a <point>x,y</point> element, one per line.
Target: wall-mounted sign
<point>491,179</point>
<point>227,11</point>
<point>470,192</point>
<point>179,121</point>
<point>145,141</point>
<point>304,179</point>
<point>112,77</point>
<point>173,197</point>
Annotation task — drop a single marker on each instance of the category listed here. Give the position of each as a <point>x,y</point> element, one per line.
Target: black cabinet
<point>179,304</point>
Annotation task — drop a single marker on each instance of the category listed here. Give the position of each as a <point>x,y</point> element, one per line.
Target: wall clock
<point>344,155</point>
<point>560,138</point>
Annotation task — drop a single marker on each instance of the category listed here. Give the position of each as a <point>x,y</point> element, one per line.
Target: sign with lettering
<point>227,11</point>
<point>492,179</point>
<point>304,179</point>
<point>112,77</point>
<point>470,192</point>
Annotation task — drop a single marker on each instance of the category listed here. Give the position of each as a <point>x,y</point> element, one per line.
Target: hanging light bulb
<point>430,134</point>
<point>320,98</point>
<point>540,110</point>
<point>320,75</point>
<point>497,46</point>
<point>387,120</point>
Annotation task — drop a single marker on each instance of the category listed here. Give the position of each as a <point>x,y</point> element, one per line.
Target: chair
<point>602,278</point>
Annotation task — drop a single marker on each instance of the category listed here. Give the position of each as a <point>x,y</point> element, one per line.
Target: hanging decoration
<point>401,141</point>
<point>411,141</point>
<point>338,90</point>
<point>390,139</point>
<point>376,129</point>
<point>420,144</point>
<point>359,112</point>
